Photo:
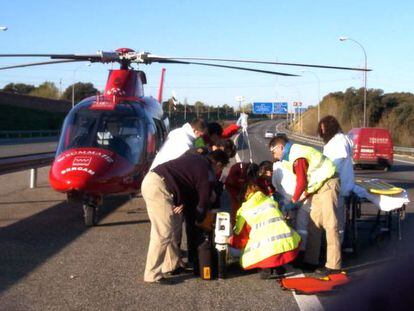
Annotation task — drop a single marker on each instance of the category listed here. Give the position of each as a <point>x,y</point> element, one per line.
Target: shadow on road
<point>28,202</point>
<point>27,244</point>
<point>121,223</point>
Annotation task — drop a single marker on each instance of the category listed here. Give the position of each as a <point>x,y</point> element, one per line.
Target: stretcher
<point>388,199</point>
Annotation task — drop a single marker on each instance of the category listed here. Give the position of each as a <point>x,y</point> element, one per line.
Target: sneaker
<point>265,273</point>
<point>324,271</point>
<point>279,271</point>
<point>179,271</point>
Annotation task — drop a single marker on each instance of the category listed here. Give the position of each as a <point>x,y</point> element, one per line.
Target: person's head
<point>250,189</point>
<point>277,145</point>
<point>199,127</point>
<point>252,171</point>
<point>227,145</point>
<point>328,127</point>
<point>219,159</point>
<point>214,131</point>
<point>265,169</point>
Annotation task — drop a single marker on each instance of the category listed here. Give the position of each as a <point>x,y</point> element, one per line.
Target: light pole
<point>365,76</point>
<point>240,99</point>
<point>319,92</point>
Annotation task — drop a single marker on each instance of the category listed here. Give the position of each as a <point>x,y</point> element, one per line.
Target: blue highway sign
<point>280,108</point>
<point>262,108</point>
<point>268,108</point>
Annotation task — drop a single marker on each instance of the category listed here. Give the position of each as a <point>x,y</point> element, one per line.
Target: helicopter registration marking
<point>81,161</point>
<point>77,168</point>
<point>106,157</point>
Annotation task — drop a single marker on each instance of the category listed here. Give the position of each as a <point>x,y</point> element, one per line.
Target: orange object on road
<point>312,285</point>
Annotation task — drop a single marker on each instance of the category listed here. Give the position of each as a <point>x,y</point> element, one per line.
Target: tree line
<point>394,111</point>
<point>49,90</point>
<point>82,90</point>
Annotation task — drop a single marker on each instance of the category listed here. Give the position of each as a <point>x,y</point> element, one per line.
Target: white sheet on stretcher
<point>385,203</point>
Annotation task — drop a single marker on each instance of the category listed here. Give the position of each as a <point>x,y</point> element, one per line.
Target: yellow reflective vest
<point>320,167</point>
<point>269,235</point>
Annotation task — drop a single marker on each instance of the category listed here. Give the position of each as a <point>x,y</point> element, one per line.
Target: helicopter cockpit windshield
<point>121,130</point>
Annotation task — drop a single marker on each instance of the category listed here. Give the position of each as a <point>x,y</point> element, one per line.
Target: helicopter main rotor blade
<point>158,58</point>
<point>229,67</point>
<point>100,56</point>
<point>41,63</point>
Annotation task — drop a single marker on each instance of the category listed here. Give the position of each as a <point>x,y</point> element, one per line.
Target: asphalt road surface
<point>50,261</point>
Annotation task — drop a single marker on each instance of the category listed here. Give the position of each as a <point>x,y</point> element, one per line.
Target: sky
<point>298,31</point>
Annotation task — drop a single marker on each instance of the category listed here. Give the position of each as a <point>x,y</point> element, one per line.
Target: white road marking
<point>305,302</point>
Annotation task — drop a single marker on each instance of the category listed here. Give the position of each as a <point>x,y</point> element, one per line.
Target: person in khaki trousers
<point>324,215</point>
<point>166,220</point>
<point>180,186</point>
<point>316,180</point>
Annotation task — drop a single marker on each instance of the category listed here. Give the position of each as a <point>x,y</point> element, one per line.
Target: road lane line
<point>305,302</point>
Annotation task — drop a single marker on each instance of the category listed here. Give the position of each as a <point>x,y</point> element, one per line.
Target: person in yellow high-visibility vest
<point>263,235</point>
<point>316,180</point>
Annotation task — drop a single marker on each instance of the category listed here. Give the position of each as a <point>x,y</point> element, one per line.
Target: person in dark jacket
<point>177,187</point>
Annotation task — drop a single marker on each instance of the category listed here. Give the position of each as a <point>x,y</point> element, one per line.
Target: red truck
<point>372,146</point>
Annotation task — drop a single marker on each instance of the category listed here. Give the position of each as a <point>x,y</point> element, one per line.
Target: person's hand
<point>178,209</point>
<point>207,223</point>
<point>292,205</point>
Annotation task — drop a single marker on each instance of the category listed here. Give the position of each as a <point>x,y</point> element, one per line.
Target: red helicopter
<point>109,141</point>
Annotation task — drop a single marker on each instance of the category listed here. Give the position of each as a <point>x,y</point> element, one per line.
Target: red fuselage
<point>95,172</point>
<point>109,141</point>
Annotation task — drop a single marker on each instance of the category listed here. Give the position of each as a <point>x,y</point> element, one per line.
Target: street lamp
<point>365,76</point>
<point>319,91</point>
<point>3,28</point>
<point>240,99</point>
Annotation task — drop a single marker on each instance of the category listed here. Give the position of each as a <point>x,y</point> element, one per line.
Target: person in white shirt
<point>284,182</point>
<point>338,148</point>
<point>179,141</point>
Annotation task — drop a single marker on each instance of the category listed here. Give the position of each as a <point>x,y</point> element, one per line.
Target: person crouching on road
<point>238,177</point>
<point>263,235</point>
<point>177,187</point>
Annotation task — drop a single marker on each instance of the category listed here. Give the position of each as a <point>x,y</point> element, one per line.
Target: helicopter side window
<point>160,133</point>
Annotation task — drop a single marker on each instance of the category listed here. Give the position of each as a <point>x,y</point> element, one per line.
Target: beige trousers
<point>324,215</point>
<point>163,250</point>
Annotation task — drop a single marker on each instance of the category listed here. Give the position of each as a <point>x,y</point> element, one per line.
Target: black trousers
<point>194,239</point>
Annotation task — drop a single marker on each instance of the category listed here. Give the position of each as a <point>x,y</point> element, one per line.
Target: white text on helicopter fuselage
<point>78,168</point>
<point>95,153</point>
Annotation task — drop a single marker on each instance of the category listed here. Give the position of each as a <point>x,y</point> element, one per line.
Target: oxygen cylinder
<point>205,259</point>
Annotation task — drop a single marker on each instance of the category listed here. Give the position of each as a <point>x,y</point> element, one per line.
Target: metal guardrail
<point>318,141</point>
<point>25,162</point>
<point>28,134</point>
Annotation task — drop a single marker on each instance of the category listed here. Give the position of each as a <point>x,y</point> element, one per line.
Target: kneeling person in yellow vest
<point>317,181</point>
<point>262,233</point>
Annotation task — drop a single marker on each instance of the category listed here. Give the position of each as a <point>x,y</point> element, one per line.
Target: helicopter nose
<point>78,184</point>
